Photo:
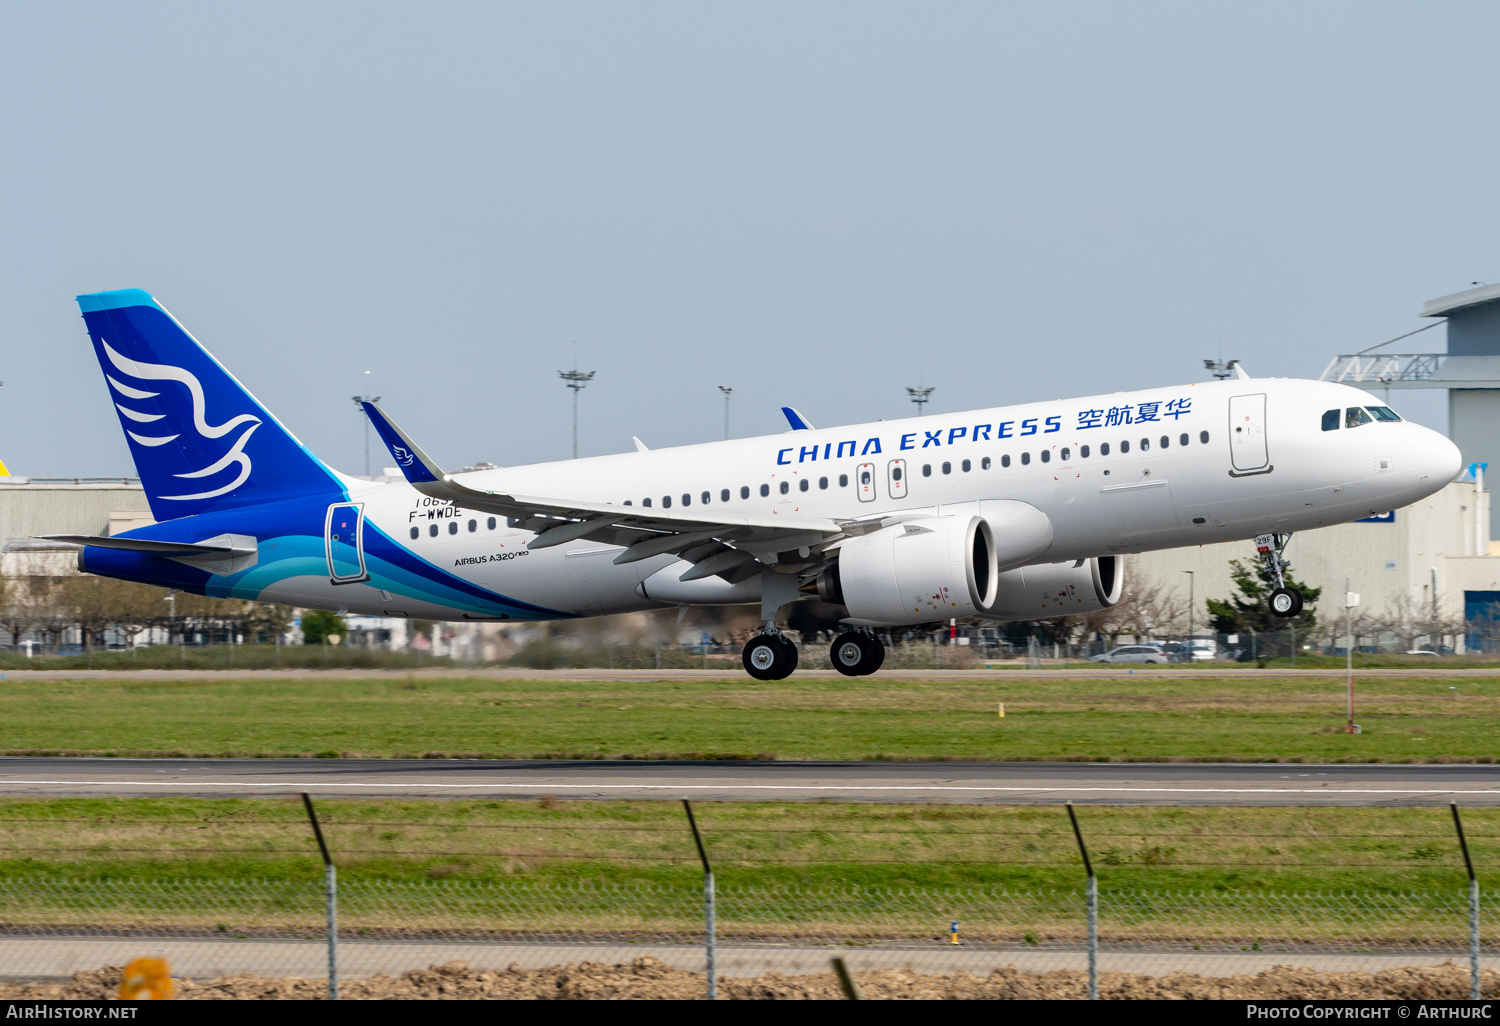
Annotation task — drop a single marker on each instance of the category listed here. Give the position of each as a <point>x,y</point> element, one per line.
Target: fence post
<point>1473,906</point>
<point>708,901</point>
<point>331,895</point>
<point>1093,908</point>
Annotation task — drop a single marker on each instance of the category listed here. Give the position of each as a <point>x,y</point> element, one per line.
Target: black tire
<point>769,657</point>
<point>877,656</point>
<point>849,653</point>
<point>1286,603</point>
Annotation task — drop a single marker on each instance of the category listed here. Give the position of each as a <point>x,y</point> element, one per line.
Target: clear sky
<point>815,203</point>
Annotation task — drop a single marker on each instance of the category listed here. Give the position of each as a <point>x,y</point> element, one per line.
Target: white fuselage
<point>1240,458</point>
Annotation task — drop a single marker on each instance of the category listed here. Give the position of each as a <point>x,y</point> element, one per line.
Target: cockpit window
<point>1331,420</point>
<point>1382,413</point>
<point>1354,417</point>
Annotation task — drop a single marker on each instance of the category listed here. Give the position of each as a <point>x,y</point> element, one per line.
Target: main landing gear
<point>1285,602</point>
<point>770,656</point>
<point>856,653</point>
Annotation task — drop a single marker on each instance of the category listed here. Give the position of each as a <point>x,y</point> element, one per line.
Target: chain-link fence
<point>54,928</point>
<point>753,933</point>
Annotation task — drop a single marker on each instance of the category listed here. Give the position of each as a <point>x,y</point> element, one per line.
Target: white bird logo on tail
<point>164,372</point>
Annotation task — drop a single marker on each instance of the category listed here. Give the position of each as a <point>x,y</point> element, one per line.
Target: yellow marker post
<point>146,979</point>
<point>1002,710</point>
<point>953,930</point>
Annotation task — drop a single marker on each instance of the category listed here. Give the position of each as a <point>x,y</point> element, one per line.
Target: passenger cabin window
<point>1046,455</point>
<point>1025,458</point>
<point>744,491</point>
<point>724,495</point>
<point>804,483</point>
<point>1384,413</point>
<point>927,470</point>
<point>1145,444</point>
<point>453,527</point>
<point>1203,437</point>
<point>666,502</point>
<point>966,466</point>
<point>687,499</point>
<point>786,486</point>
<point>432,530</point>
<point>947,468</point>
<point>765,490</point>
<point>1103,448</point>
<point>706,496</point>
<point>491,524</point>
<point>1330,420</point>
<point>822,482</point>
<point>844,480</point>
<point>864,478</point>
<point>1182,439</point>
<point>984,464</point>
<point>1005,460</point>
<point>473,525</point>
<point>1066,452</point>
<point>1083,451</point>
<point>1354,417</point>
<point>645,502</point>
<point>415,531</point>
<point>1165,441</point>
<point>1124,447</point>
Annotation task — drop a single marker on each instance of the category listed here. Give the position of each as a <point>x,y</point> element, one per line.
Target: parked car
<point>1134,654</point>
<point>1422,652</point>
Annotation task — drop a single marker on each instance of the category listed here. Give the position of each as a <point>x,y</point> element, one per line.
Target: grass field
<point>1141,718</point>
<point>1378,849</point>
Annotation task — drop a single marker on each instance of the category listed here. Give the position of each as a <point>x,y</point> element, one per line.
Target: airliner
<point>1012,513</point>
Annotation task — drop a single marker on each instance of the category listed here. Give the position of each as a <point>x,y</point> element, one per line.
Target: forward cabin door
<point>344,542</point>
<point>1247,433</point>
<point>864,477</point>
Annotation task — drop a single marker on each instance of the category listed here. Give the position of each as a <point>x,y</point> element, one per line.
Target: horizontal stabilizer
<point>155,548</point>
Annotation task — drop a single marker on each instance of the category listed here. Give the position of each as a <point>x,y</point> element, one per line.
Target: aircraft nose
<point>1438,457</point>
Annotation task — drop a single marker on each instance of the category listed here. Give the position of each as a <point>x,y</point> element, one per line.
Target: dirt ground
<point>648,978</point>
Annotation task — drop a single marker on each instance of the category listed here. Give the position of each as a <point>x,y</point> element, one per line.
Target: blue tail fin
<point>200,441</point>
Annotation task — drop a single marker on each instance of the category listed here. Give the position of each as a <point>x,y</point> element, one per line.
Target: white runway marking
<point>299,785</point>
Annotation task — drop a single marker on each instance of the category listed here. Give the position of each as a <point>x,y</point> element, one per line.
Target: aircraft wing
<point>731,546</point>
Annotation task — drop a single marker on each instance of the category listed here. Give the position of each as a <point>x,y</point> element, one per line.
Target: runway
<point>988,782</point>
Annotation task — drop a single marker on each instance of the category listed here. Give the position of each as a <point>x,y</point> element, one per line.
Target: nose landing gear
<point>856,653</point>
<point>1285,602</point>
<point>770,656</point>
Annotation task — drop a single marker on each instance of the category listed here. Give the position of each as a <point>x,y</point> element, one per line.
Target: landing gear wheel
<point>1286,602</point>
<point>849,653</point>
<point>769,657</point>
<point>856,654</point>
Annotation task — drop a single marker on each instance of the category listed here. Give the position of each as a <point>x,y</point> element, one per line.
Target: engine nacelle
<point>927,569</point>
<point>1056,589</point>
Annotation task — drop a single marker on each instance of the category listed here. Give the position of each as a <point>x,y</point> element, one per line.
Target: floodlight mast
<point>920,396</point>
<point>728,390</point>
<point>576,380</point>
